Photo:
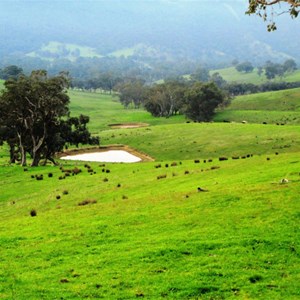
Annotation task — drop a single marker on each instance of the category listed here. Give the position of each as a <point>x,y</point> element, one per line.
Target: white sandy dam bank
<point>117,156</point>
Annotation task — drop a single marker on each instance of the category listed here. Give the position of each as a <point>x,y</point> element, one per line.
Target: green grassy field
<point>122,233</point>
<point>153,238</point>
<point>193,141</point>
<point>1,84</point>
<point>105,109</point>
<point>282,107</point>
<point>232,75</point>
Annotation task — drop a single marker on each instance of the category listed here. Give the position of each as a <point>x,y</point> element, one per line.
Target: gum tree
<point>267,9</point>
<point>33,113</point>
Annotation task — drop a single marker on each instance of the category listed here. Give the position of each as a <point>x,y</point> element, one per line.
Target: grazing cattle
<point>196,161</point>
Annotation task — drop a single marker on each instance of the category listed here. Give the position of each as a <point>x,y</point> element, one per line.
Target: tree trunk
<point>35,159</point>
<point>12,156</point>
<point>22,150</point>
<point>23,156</point>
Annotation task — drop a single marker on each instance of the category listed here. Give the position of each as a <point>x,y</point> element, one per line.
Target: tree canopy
<point>262,8</point>
<point>201,100</point>
<point>34,117</point>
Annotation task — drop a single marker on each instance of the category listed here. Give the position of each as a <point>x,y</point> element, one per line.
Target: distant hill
<point>57,50</point>
<point>209,32</point>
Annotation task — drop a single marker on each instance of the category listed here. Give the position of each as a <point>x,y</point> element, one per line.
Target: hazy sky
<point>115,24</point>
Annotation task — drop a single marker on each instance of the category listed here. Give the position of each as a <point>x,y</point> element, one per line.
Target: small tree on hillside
<point>201,100</point>
<point>244,67</point>
<point>165,100</point>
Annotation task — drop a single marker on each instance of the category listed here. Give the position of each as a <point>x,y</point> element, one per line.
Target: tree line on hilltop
<point>269,69</point>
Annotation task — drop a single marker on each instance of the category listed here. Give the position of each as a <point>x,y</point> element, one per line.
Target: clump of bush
<point>39,177</point>
<point>33,213</point>
<point>86,202</point>
<point>76,171</point>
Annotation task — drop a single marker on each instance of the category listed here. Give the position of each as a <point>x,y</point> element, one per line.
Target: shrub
<point>86,202</point>
<point>255,278</point>
<point>223,158</point>
<point>76,171</point>
<point>39,177</point>
<point>214,167</point>
<point>33,213</point>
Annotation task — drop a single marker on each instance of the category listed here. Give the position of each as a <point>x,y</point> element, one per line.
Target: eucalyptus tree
<point>201,100</point>
<point>268,8</point>
<point>165,100</point>
<point>30,106</point>
<point>34,113</point>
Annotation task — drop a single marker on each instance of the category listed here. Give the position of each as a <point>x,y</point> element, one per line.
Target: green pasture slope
<point>279,107</point>
<point>140,236</point>
<point>1,84</point>
<point>194,141</point>
<point>145,230</point>
<point>106,109</point>
<point>232,75</point>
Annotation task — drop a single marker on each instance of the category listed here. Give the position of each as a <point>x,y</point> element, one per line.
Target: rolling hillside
<point>232,75</point>
<point>186,226</point>
<point>280,107</point>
